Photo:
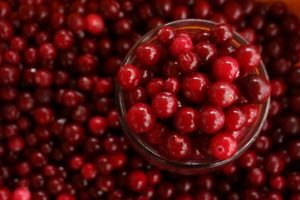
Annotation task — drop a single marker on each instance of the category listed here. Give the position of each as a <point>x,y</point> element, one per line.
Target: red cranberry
<point>180,45</point>
<point>129,76</point>
<point>164,105</point>
<point>194,87</point>
<point>188,62</point>
<point>94,24</point>
<point>248,57</point>
<point>154,87</point>
<point>186,120</point>
<point>256,177</point>
<point>223,146</point>
<point>98,125</point>
<point>137,181</point>
<point>202,9</point>
<point>166,34</point>
<point>221,33</point>
<point>211,119</point>
<point>235,119</point>
<point>178,146</point>
<point>206,52</point>
<point>256,89</point>
<point>89,171</point>
<point>21,193</point>
<point>148,54</point>
<point>221,94</point>
<point>140,118</point>
<point>225,69</point>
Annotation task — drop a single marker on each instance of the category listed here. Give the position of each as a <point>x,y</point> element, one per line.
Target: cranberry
<point>211,119</point>
<point>235,119</point>
<point>233,11</point>
<point>248,57</point>
<point>164,105</point>
<point>251,112</point>
<point>181,44</point>
<point>137,180</point>
<point>47,51</point>
<point>256,89</point>
<point>166,35</point>
<point>223,146</point>
<point>274,164</point>
<point>21,193</point>
<point>154,87</point>
<point>256,177</point>
<point>221,33</point>
<point>188,62</point>
<point>202,9</point>
<point>98,125</point>
<point>225,69</point>
<point>194,87</point>
<point>148,54</point>
<point>129,76</point>
<point>94,24</point>
<point>89,171</point>
<point>186,120</point>
<point>140,118</point>
<point>221,94</point>
<point>171,85</point>
<point>178,146</point>
<point>63,39</point>
<point>206,51</point>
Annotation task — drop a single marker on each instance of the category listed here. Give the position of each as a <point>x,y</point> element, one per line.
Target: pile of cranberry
<point>60,137</point>
<point>193,89</point>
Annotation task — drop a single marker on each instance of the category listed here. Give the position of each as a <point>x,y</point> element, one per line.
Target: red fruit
<point>223,146</point>
<point>140,118</point>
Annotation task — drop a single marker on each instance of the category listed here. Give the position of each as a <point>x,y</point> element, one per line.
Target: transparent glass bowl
<point>193,166</point>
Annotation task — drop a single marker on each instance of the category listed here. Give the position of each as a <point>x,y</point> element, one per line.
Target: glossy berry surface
<point>223,146</point>
<point>140,118</point>
<point>211,119</point>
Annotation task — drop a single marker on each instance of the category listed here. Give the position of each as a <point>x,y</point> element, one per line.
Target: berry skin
<point>129,77</point>
<point>248,57</point>
<point>221,94</point>
<point>140,118</point>
<point>235,119</point>
<point>225,68</point>
<point>98,125</point>
<point>221,33</point>
<point>211,119</point>
<point>181,44</point>
<point>148,54</point>
<point>166,34</point>
<point>206,52</point>
<point>94,24</point>
<point>21,193</point>
<point>251,112</point>
<point>186,120</point>
<point>164,105</point>
<point>256,89</point>
<point>137,181</point>
<point>194,87</point>
<point>188,62</point>
<point>223,146</point>
<point>178,146</point>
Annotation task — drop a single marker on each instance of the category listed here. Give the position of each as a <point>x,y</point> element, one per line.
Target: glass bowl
<point>187,167</point>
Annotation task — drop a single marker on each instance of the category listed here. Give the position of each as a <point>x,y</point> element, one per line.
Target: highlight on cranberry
<point>188,85</point>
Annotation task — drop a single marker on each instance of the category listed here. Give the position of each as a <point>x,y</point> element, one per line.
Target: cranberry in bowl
<point>192,95</point>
